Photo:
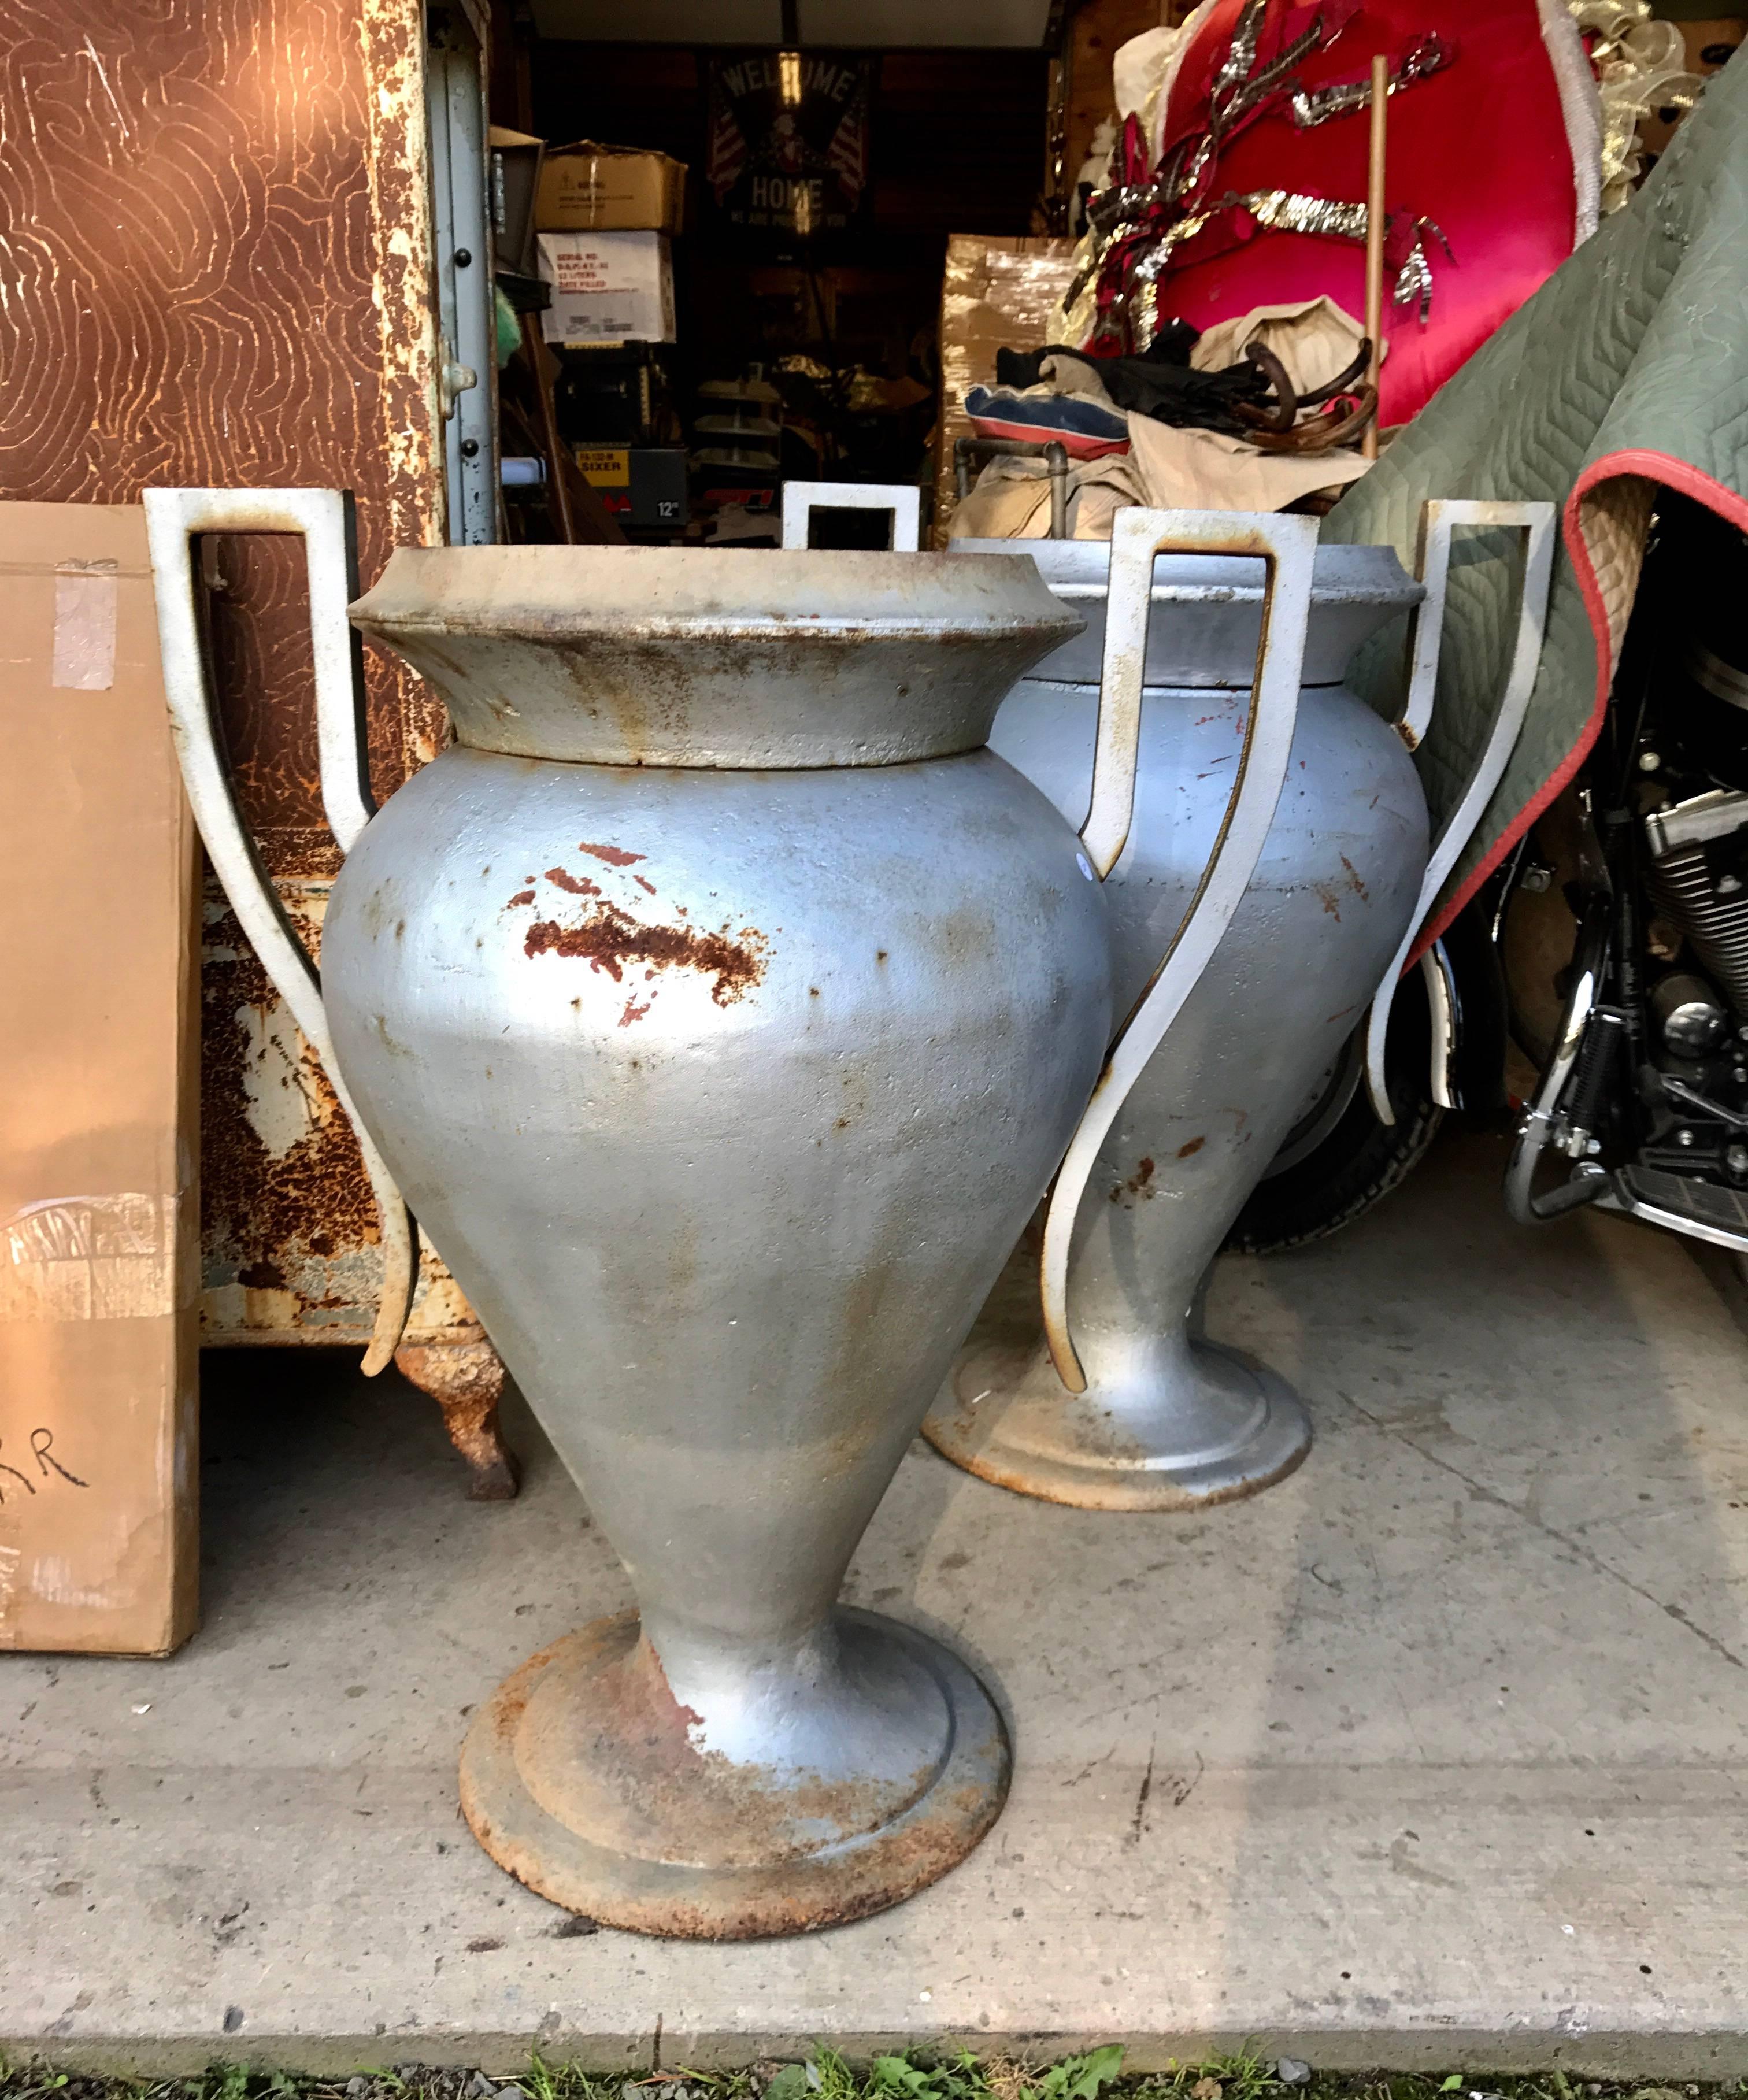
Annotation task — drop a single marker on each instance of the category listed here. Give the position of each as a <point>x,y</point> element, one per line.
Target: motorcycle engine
<point>1688,792</point>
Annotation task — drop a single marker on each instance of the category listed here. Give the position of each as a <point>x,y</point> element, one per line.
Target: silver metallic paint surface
<point>725,1249</point>
<point>1207,610</point>
<point>680,656</point>
<point>727,1185</point>
<point>1166,1421</point>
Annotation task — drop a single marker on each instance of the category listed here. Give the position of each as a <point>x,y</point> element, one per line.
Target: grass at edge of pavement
<point>918,2075</point>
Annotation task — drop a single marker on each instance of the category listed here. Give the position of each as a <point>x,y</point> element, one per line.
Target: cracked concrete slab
<point>1434,1755</point>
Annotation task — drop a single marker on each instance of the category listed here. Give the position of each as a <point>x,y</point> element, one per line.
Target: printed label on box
<point>605,468</point>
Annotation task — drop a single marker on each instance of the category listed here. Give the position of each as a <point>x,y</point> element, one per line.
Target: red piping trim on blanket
<point>1673,473</point>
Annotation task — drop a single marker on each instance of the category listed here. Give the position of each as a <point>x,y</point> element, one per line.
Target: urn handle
<point>1288,547</point>
<point>1439,520</point>
<point>322,518</point>
<point>800,499</point>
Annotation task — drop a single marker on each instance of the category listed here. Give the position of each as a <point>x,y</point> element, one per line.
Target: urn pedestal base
<point>1167,1422</point>
<point>583,1777</point>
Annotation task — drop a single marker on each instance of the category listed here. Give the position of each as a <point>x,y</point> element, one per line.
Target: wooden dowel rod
<point>1376,209</point>
<point>557,488</point>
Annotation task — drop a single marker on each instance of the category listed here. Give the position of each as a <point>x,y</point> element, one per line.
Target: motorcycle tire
<point>1339,1160</point>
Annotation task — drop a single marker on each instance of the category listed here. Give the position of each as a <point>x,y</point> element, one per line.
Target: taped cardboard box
<point>590,188</point>
<point>607,288</point>
<point>995,293</point>
<point>99,1101</point>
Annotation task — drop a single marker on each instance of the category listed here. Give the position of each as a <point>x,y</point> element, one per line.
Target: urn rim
<point>691,657</point>
<point>708,594</point>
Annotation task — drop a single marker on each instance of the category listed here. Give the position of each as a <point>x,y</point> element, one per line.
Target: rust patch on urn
<point>611,938</point>
<point>614,856</point>
<point>1140,1183</point>
<point>574,886</point>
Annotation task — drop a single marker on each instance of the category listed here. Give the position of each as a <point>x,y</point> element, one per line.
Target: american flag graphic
<point>848,155</point>
<point>728,150</point>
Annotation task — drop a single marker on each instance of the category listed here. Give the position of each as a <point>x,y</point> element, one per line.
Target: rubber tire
<point>1362,1160</point>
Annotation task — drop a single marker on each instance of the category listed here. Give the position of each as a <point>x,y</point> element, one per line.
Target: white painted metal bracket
<point>321,517</point>
<point>1438,520</point>
<point>800,499</point>
<point>1288,545</point>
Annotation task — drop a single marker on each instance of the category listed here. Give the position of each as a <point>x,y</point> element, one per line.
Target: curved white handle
<point>322,518</point>
<point>1438,519</point>
<point>1289,547</point>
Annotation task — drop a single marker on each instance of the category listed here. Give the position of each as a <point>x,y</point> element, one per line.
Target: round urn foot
<point>583,1778</point>
<point>1187,1426</point>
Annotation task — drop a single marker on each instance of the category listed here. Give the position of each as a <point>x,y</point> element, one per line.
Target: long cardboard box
<point>99,1101</point>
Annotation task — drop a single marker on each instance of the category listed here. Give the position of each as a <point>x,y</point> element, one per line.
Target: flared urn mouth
<point>1207,610</point>
<point>703,657</point>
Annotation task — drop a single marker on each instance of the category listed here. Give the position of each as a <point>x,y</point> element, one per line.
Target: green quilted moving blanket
<point>1627,372</point>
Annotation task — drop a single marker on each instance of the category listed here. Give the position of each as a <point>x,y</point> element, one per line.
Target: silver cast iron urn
<point>1106,1394</point>
<point>722,1006</point>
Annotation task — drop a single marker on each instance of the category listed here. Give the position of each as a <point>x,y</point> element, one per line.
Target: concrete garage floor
<point>1436,1755</point>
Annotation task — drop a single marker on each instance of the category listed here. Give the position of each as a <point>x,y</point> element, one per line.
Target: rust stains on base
<point>634,1733</point>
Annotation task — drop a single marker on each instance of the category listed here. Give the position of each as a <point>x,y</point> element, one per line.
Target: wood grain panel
<point>214,269</point>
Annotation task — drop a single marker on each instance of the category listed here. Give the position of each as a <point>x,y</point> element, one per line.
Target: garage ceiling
<point>860,24</point>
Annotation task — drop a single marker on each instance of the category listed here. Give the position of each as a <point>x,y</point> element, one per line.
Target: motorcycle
<point>1643,1096</point>
<point>1608,955</point>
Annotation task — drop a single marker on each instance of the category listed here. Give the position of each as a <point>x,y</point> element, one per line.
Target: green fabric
<point>509,327</point>
<point>1639,343</point>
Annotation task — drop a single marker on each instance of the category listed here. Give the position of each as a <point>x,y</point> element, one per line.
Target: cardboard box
<point>997,291</point>
<point>586,187</point>
<point>99,1070</point>
<point>607,288</point>
<point>644,486</point>
<point>516,161</point>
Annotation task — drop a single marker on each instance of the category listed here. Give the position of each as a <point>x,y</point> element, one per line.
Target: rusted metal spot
<point>611,938</point>
<point>614,856</point>
<point>1188,1151</point>
<point>466,1380</point>
<point>1354,883</point>
<point>1140,1183</point>
<point>644,880</point>
<point>281,1169</point>
<point>562,879</point>
<point>521,897</point>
